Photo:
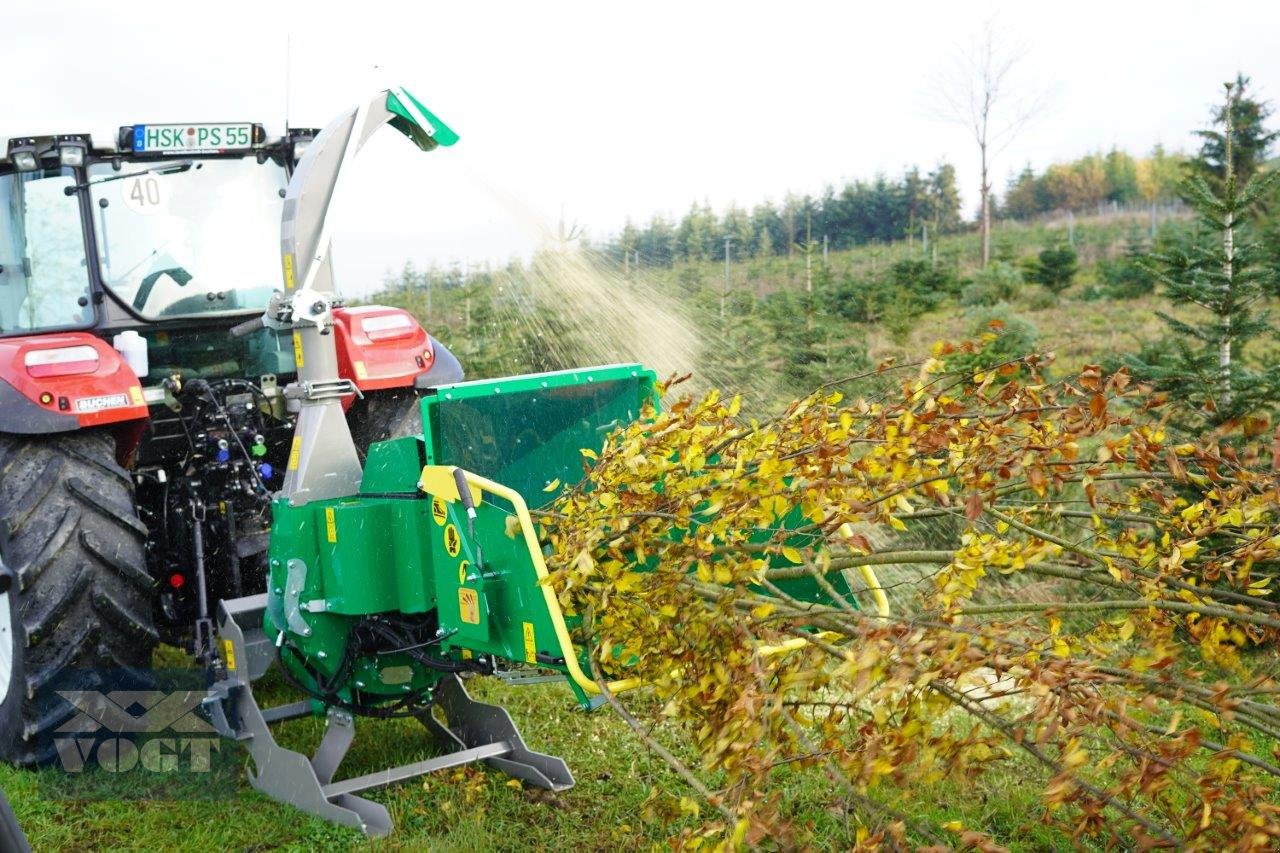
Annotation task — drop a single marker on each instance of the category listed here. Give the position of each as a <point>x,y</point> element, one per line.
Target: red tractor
<point>140,442</point>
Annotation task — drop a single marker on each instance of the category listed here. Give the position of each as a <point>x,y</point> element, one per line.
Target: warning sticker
<point>229,652</point>
<point>295,453</point>
<point>469,606</point>
<point>452,541</point>
<point>438,511</point>
<point>288,271</point>
<point>361,373</point>
<point>297,348</point>
<point>462,571</point>
<point>530,644</point>
<point>135,394</point>
<point>330,525</point>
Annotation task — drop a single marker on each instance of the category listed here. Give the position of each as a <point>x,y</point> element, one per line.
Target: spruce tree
<point>1247,151</point>
<point>1201,365</point>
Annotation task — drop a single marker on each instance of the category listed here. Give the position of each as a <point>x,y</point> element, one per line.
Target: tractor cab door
<point>44,279</point>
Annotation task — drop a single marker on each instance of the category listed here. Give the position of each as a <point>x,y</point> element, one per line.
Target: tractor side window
<point>44,279</point>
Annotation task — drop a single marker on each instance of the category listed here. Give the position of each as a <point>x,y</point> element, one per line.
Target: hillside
<point>798,320</point>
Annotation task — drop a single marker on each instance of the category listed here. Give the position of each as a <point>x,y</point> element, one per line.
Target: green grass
<point>612,806</point>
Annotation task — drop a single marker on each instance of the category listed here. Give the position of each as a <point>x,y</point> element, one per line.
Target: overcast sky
<point>615,109</point>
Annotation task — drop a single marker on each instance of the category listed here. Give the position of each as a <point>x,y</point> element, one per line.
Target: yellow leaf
<point>628,581</point>
<point>607,499</point>
<point>762,611</point>
<point>1126,629</point>
<point>552,486</point>
<point>689,807</point>
<point>792,554</point>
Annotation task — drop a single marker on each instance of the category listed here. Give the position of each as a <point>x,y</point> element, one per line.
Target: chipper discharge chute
<point>389,581</point>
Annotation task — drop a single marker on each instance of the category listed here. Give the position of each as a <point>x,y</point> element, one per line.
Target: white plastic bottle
<point>133,347</point>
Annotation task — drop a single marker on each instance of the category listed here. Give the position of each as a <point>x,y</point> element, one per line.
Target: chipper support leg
<point>475,731</point>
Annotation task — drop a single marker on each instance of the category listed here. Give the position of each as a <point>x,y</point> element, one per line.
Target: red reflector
<point>65,368</point>
<point>176,580</point>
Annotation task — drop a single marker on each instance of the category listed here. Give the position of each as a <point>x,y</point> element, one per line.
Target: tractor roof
<point>204,139</point>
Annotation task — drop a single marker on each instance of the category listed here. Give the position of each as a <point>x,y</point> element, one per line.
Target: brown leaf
<point>973,506</point>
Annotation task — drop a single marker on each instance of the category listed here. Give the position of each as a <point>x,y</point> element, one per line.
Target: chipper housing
<point>438,548</point>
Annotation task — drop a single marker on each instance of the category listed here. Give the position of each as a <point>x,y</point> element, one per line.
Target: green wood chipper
<point>390,581</point>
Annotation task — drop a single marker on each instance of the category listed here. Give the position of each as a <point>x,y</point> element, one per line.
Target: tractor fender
<point>445,369</point>
<point>64,382</point>
<point>380,347</point>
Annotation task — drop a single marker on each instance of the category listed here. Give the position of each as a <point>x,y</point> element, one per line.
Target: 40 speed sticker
<point>97,404</point>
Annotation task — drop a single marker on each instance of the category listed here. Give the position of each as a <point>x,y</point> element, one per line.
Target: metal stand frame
<point>475,731</point>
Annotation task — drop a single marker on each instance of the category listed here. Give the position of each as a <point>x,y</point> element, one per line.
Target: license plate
<point>191,138</point>
<point>97,404</point>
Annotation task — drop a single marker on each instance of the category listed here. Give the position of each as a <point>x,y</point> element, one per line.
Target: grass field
<point>622,791</point>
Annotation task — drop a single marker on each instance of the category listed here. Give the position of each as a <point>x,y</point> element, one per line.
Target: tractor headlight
<point>71,151</point>
<point>22,153</point>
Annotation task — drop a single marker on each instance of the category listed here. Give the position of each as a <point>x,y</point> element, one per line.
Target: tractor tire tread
<point>39,621</point>
<point>30,571</point>
<point>135,575</point>
<point>68,525</point>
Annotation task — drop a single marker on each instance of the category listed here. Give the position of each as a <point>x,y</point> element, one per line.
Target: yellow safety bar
<point>438,481</point>
<point>869,577</point>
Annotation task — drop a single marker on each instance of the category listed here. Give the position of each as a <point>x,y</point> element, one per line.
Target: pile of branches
<point>1144,689</point>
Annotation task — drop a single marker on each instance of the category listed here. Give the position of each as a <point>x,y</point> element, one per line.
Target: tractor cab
<point>127,259</point>
<point>164,225</point>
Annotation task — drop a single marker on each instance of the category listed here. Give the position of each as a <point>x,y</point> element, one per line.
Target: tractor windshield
<point>44,283</point>
<point>182,239</point>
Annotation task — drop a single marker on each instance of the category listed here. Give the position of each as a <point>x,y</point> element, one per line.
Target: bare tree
<point>976,91</point>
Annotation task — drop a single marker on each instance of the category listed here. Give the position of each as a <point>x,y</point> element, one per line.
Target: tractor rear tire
<point>80,610</point>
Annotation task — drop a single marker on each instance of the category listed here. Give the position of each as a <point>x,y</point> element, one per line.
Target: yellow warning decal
<point>288,271</point>
<point>330,525</point>
<point>229,652</point>
<point>466,654</point>
<point>135,394</point>
<point>361,373</point>
<point>295,453</point>
<point>438,511</point>
<point>469,606</point>
<point>462,571</point>
<point>530,644</point>
<point>297,348</point>
<point>452,541</point>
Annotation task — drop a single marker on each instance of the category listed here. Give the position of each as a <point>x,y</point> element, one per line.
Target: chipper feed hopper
<point>390,581</point>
